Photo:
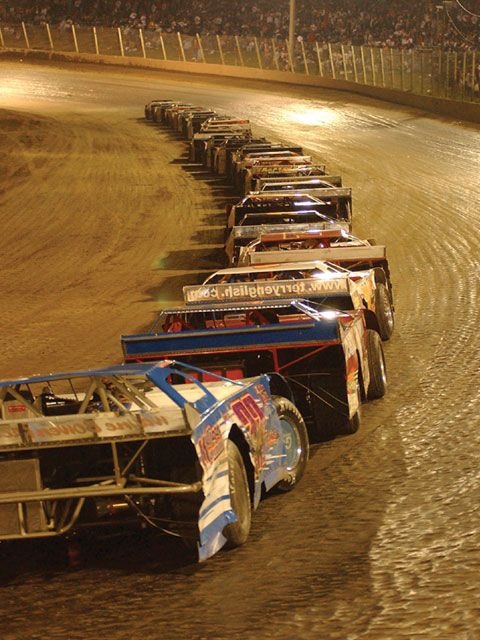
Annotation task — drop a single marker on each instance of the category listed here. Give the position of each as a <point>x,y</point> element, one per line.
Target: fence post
<point>332,65</point>
<point>422,72</point>
<point>49,35</point>
<point>164,51</point>
<point>344,62</point>
<point>372,62</point>
<point>402,62</point>
<point>455,71</point>
<point>142,43</point>
<point>219,44</point>
<point>412,67</point>
<point>392,68</point>
<point>290,59</point>
<point>74,36</point>
<point>440,83</point>
<point>120,41</point>
<point>447,74</point>
<point>180,46</point>
<point>382,67</point>
<point>258,53</point>
<point>307,72</point>
<point>95,40</point>
<point>362,55</point>
<point>275,56</point>
<point>200,48</point>
<point>237,42</point>
<point>320,65</point>
<point>354,61</point>
<point>464,74</point>
<point>474,77</point>
<point>24,29</point>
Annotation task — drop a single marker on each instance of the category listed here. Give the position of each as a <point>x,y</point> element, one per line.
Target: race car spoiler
<point>224,131</point>
<point>305,169</point>
<point>344,254</point>
<point>325,329</point>
<point>275,159</point>
<point>335,181</point>
<point>122,408</point>
<point>344,193</point>
<point>256,230</point>
<point>328,285</point>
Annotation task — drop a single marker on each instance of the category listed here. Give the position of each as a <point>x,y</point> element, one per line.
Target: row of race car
<point>220,400</point>
<point>291,243</point>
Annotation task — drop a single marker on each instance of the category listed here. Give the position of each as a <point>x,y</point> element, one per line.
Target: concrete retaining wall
<point>468,111</point>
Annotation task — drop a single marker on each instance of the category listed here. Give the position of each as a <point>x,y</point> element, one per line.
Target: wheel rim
<point>291,441</point>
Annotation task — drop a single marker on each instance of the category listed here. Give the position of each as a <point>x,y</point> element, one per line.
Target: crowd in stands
<point>454,25</point>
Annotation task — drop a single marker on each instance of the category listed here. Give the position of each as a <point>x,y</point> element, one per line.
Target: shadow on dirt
<point>194,259</point>
<point>126,551</point>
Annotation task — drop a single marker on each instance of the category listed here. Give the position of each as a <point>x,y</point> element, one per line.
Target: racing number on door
<point>249,413</point>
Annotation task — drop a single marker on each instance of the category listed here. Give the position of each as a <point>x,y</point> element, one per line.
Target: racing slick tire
<point>376,366</point>
<point>295,438</point>
<point>383,311</point>
<point>237,532</point>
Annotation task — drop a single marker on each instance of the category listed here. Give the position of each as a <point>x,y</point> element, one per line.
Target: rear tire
<point>383,311</point>
<point>376,366</point>
<point>237,532</point>
<point>295,438</point>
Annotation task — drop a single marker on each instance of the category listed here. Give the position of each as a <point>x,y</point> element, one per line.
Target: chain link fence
<point>433,72</point>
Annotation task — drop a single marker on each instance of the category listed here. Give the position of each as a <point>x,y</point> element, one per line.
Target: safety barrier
<point>417,72</point>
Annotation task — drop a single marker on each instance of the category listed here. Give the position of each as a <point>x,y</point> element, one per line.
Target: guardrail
<point>423,72</point>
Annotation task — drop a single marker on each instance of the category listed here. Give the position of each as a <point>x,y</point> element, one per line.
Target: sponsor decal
<point>210,444</point>
<point>16,408</point>
<point>266,289</point>
<point>253,419</point>
<point>101,426</point>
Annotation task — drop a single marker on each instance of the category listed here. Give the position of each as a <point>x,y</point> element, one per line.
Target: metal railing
<point>432,72</point>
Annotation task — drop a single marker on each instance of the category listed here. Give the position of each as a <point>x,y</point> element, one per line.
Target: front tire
<point>237,532</point>
<point>295,438</point>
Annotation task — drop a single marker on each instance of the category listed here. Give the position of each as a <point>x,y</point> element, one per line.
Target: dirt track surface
<point>102,221</point>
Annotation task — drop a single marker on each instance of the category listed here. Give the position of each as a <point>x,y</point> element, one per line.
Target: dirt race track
<point>102,221</point>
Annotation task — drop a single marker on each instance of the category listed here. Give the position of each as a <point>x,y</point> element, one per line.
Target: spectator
<point>386,23</point>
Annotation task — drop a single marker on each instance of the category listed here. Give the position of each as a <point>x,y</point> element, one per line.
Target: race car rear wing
<point>335,203</point>
<point>336,254</point>
<point>274,158</point>
<point>296,182</point>
<point>329,285</point>
<point>122,402</point>
<point>256,230</point>
<point>285,170</point>
<point>318,331</point>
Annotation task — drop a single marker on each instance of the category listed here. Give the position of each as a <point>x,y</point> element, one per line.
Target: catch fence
<point>432,72</point>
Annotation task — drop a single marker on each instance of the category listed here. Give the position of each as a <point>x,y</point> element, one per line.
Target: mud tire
<point>295,437</point>
<point>237,532</point>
